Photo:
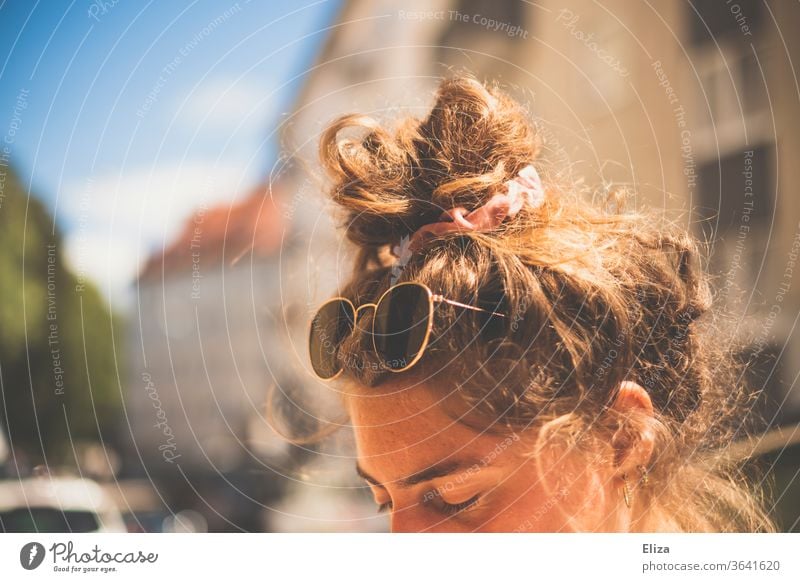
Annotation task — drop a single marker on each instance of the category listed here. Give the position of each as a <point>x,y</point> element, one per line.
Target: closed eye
<point>453,508</point>
<point>447,508</point>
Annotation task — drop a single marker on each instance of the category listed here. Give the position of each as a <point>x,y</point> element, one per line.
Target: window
<point>712,19</point>
<point>47,520</point>
<point>736,201</point>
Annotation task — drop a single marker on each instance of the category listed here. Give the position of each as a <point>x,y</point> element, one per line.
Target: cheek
<point>562,496</point>
<point>525,504</point>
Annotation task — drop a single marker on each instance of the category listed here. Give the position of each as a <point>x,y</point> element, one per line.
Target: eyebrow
<point>433,472</point>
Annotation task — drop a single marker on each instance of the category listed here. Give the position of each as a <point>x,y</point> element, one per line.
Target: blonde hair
<point>595,295</point>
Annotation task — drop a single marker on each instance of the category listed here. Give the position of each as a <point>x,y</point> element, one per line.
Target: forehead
<point>401,431</point>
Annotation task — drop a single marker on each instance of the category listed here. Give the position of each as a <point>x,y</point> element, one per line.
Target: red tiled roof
<point>228,233</point>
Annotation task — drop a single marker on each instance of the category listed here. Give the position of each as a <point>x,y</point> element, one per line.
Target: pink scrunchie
<point>525,188</point>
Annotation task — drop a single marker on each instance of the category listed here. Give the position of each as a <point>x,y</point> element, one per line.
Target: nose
<point>408,520</point>
<point>417,519</point>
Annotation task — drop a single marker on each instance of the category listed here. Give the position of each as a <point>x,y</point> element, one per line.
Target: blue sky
<point>128,115</point>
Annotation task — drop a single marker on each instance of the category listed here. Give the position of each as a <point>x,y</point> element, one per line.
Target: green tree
<point>58,369</point>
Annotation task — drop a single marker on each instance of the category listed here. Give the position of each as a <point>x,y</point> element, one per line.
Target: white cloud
<point>118,219</point>
<point>223,104</point>
<point>110,262</point>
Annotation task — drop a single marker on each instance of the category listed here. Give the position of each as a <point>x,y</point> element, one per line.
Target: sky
<point>124,117</point>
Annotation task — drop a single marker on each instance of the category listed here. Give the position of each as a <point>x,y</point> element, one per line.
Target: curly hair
<point>596,295</point>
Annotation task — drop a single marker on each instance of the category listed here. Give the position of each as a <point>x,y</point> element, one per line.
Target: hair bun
<point>390,183</point>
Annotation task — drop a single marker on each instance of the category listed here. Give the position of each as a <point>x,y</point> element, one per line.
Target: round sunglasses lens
<point>402,325</point>
<point>332,323</point>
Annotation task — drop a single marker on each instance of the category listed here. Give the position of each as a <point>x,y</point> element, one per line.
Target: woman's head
<point>601,369</point>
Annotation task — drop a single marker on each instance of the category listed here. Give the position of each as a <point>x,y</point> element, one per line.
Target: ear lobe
<point>633,443</point>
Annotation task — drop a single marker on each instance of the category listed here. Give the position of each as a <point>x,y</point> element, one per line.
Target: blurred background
<point>164,239</point>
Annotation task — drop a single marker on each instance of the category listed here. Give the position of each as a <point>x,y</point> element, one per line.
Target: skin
<point>432,474</point>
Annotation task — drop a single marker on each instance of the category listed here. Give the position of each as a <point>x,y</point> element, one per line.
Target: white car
<point>50,504</point>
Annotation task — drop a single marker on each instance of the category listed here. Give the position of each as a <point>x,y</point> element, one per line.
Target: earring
<point>626,490</point>
<point>644,478</point>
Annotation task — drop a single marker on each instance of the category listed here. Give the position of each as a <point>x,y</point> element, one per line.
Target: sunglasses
<point>401,327</point>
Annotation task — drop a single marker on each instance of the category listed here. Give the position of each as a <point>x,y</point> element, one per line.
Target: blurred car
<point>141,505</point>
<point>50,504</point>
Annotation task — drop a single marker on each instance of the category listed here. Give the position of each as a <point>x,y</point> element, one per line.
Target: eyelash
<point>453,508</point>
<point>447,508</point>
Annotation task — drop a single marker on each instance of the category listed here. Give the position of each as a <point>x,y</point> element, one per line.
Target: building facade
<point>204,352</point>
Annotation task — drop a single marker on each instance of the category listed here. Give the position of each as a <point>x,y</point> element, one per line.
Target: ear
<point>634,441</point>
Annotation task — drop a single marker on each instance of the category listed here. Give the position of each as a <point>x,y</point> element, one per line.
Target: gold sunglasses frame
<point>433,300</point>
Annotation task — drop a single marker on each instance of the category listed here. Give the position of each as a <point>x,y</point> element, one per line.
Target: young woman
<point>513,357</point>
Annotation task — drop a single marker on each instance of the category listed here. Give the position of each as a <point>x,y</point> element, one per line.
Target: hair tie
<point>524,189</point>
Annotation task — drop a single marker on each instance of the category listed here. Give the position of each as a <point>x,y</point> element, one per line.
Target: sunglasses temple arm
<point>465,306</point>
